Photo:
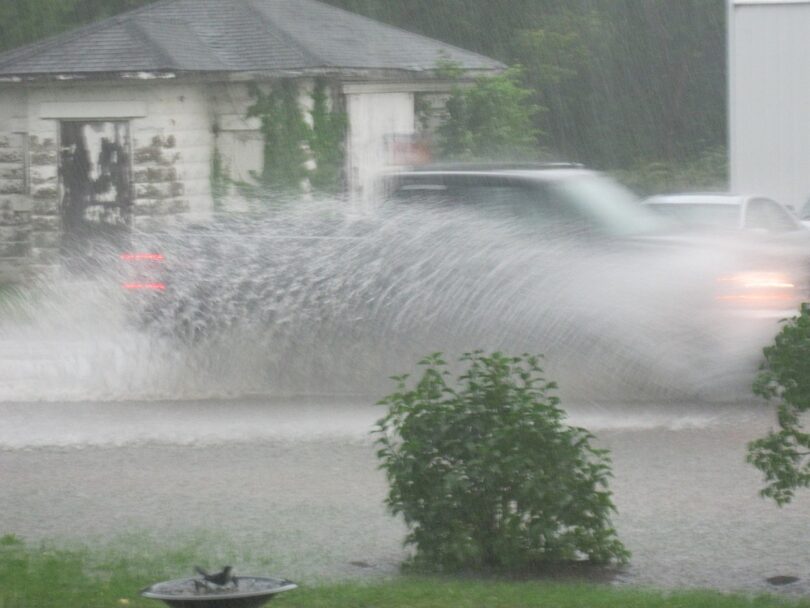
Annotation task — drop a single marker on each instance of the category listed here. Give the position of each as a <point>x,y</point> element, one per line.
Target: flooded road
<point>294,483</point>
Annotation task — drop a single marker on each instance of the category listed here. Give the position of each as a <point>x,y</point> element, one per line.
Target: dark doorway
<point>95,172</point>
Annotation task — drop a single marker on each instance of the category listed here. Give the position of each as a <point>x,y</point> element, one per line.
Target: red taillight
<point>142,257</point>
<point>143,271</point>
<point>145,286</point>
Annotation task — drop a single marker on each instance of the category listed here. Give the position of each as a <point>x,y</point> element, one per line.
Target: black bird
<point>220,579</point>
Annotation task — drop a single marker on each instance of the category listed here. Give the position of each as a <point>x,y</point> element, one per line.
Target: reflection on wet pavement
<point>298,481</point>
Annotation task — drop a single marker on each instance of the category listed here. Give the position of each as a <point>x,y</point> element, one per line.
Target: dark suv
<point>554,196</point>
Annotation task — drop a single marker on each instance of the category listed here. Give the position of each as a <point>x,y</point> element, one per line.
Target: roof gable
<point>235,36</point>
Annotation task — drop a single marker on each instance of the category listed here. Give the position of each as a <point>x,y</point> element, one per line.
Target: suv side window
<point>527,202</point>
<point>765,214</point>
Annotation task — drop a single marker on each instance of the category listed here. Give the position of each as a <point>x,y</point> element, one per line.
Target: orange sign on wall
<point>407,150</point>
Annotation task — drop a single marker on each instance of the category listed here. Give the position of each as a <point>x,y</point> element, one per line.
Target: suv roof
<point>696,198</point>
<point>465,167</point>
<point>523,171</point>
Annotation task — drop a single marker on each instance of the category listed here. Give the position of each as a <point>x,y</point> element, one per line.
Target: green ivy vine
<point>326,142</point>
<point>290,142</point>
<point>285,131</point>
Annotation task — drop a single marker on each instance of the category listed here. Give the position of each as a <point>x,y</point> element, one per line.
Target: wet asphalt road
<point>294,486</point>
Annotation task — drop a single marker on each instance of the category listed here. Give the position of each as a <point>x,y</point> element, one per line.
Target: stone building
<point>120,124</point>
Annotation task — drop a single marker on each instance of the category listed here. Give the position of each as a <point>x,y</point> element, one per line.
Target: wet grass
<point>46,577</point>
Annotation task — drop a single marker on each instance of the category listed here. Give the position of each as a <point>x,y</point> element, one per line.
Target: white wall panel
<point>373,119</point>
<point>769,99</point>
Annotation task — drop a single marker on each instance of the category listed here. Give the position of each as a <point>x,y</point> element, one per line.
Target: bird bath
<point>238,592</point>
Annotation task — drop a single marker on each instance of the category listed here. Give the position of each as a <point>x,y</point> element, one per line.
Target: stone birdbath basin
<point>234,592</point>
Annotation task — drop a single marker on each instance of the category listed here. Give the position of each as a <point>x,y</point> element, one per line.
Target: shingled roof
<point>205,36</point>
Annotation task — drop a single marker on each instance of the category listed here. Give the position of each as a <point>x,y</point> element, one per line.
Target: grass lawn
<point>42,577</point>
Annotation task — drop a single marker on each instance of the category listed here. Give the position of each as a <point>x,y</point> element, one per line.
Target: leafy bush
<point>784,455</point>
<point>487,475</point>
<point>706,172</point>
<point>493,118</point>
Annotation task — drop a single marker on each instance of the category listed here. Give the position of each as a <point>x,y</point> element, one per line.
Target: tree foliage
<point>487,475</point>
<point>624,82</point>
<point>784,455</point>
<point>491,119</point>
<point>29,20</point>
<point>707,171</point>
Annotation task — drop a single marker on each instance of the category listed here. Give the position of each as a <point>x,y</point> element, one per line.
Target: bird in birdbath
<point>219,579</point>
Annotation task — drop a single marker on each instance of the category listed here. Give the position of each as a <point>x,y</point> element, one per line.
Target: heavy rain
<point>227,228</point>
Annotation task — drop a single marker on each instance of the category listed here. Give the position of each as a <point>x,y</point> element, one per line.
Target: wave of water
<point>212,423</point>
<point>315,300</point>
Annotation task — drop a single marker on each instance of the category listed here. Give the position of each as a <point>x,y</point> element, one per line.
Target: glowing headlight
<point>756,286</point>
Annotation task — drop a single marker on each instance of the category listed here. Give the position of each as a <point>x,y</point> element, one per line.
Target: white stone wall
<point>172,154</point>
<point>15,205</point>
<point>170,138</point>
<point>238,139</point>
<point>376,116</point>
<point>171,144</point>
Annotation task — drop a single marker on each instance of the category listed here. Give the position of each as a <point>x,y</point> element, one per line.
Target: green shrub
<point>486,474</point>
<point>706,172</point>
<point>784,455</point>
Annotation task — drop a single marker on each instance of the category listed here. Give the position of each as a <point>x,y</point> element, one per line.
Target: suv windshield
<point>616,209</point>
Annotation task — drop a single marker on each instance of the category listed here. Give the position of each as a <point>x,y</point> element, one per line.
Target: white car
<point>767,232</point>
<point>727,212</point>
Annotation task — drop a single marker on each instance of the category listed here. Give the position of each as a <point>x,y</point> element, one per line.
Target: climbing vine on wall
<point>290,143</point>
<point>285,132</point>
<point>327,141</point>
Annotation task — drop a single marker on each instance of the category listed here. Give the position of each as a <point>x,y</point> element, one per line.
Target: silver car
<point>727,212</point>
